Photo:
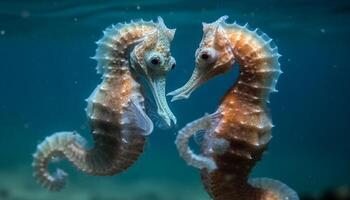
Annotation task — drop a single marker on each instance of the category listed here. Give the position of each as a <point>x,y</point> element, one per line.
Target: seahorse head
<point>213,57</point>
<point>152,60</point>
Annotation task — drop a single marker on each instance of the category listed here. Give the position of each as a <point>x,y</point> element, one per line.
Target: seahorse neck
<point>258,63</point>
<point>113,52</point>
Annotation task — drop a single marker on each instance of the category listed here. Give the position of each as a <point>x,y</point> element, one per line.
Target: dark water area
<point>46,74</point>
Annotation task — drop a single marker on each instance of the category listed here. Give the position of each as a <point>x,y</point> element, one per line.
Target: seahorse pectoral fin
<point>182,140</point>
<point>157,86</point>
<point>136,116</point>
<point>276,188</point>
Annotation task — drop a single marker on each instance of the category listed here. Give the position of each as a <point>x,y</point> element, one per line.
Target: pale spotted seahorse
<point>116,113</point>
<point>237,134</point>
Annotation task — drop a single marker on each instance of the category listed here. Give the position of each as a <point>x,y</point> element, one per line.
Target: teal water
<point>46,74</point>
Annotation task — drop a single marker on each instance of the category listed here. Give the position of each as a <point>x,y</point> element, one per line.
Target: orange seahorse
<point>119,124</point>
<point>237,134</point>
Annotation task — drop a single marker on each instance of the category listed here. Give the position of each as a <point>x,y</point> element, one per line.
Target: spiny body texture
<point>237,134</point>
<point>116,110</point>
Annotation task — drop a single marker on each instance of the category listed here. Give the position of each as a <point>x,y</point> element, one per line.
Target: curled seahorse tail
<point>279,189</point>
<point>191,129</point>
<point>53,147</point>
<point>185,152</point>
<point>109,156</point>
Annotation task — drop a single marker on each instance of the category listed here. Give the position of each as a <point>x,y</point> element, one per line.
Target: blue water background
<point>46,73</point>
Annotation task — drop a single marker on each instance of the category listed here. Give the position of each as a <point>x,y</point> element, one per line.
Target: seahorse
<point>128,56</point>
<point>237,134</point>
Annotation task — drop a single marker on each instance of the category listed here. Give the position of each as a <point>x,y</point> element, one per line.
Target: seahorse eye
<point>208,56</point>
<point>205,56</point>
<point>155,61</point>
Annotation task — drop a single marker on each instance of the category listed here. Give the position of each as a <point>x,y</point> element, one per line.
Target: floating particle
<point>83,127</point>
<point>138,7</point>
<point>323,30</point>
<point>75,19</point>
<point>26,125</point>
<point>25,14</point>
<point>2,32</point>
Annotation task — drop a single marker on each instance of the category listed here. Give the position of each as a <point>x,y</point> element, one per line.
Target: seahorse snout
<point>158,90</point>
<point>186,90</point>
